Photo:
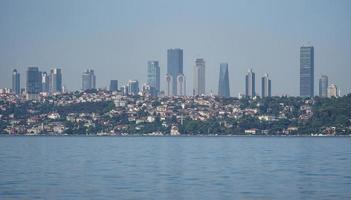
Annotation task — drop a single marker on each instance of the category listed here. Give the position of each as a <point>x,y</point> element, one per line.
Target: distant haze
<point>117,38</point>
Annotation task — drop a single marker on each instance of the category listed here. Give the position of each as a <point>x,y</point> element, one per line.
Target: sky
<point>116,38</point>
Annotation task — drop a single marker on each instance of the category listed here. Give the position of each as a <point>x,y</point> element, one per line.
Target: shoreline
<point>58,135</point>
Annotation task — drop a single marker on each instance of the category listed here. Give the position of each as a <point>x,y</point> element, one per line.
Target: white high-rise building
<point>88,80</point>
<point>199,77</point>
<point>250,84</point>
<point>332,91</point>
<point>266,86</point>
<point>169,83</point>
<point>55,80</point>
<point>181,85</point>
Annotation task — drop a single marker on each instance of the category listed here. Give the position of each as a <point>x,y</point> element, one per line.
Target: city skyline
<point>120,44</point>
<point>52,83</point>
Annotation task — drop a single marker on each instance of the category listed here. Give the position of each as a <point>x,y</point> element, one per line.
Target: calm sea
<point>175,168</point>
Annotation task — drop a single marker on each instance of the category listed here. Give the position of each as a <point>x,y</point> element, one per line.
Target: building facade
<point>153,77</point>
<point>181,85</point>
<point>266,86</point>
<point>332,91</point>
<point>55,80</point>
<point>33,83</point>
<point>16,82</point>
<point>199,77</point>
<point>174,67</point>
<point>45,82</point>
<point>133,87</point>
<point>114,85</point>
<point>307,71</point>
<point>223,85</point>
<point>250,89</point>
<point>88,80</point>
<point>323,86</point>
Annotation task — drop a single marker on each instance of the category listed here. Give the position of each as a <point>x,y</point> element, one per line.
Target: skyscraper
<point>307,71</point>
<point>266,86</point>
<point>223,85</point>
<point>332,90</point>
<point>16,82</point>
<point>113,85</point>
<point>55,80</point>
<point>181,85</point>
<point>250,84</point>
<point>133,87</point>
<point>169,82</point>
<point>45,82</point>
<point>199,77</point>
<point>174,67</point>
<point>88,80</point>
<point>33,84</point>
<point>153,77</point>
<point>323,86</point>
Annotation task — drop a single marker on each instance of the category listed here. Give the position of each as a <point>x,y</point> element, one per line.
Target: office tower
<point>181,85</point>
<point>33,84</point>
<point>124,90</point>
<point>174,67</point>
<point>169,82</point>
<point>133,87</point>
<point>332,90</point>
<point>45,82</point>
<point>307,71</point>
<point>199,77</point>
<point>113,85</point>
<point>223,86</point>
<point>55,80</point>
<point>16,82</point>
<point>250,84</point>
<point>323,86</point>
<point>153,77</point>
<point>88,80</point>
<point>266,86</point>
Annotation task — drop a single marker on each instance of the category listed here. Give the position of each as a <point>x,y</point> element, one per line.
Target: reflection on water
<point>175,168</point>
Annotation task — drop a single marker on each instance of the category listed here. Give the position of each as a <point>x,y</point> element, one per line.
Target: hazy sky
<point>117,38</point>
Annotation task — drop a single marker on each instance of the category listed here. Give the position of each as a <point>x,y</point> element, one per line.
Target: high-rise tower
<point>223,85</point>
<point>174,67</point>
<point>250,84</point>
<point>153,77</point>
<point>16,82</point>
<point>33,84</point>
<point>199,77</point>
<point>266,86</point>
<point>323,86</point>
<point>88,80</point>
<point>307,71</point>
<point>55,80</point>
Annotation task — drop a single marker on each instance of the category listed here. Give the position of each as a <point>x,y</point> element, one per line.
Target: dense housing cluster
<point>109,113</point>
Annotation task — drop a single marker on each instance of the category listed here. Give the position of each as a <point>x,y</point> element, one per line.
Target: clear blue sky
<point>117,38</point>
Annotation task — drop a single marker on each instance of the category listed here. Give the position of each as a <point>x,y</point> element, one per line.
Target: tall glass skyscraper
<point>113,85</point>
<point>88,80</point>
<point>223,85</point>
<point>250,90</point>
<point>266,86</point>
<point>174,67</point>
<point>323,86</point>
<point>133,87</point>
<point>153,76</point>
<point>199,77</point>
<point>307,71</point>
<point>33,84</point>
<point>16,82</point>
<point>55,80</point>
<point>45,82</point>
